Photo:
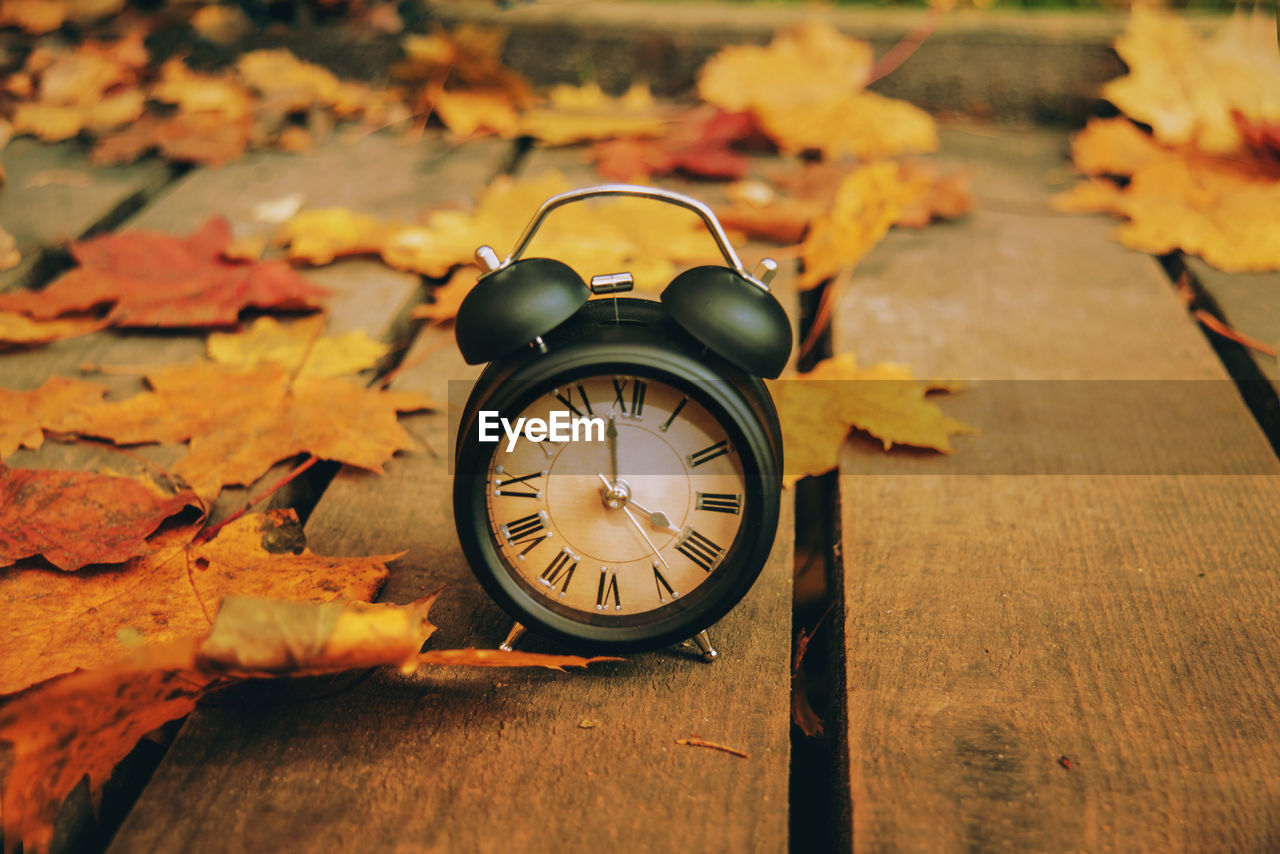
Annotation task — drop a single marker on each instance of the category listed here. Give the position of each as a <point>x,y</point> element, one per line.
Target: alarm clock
<point>618,465</point>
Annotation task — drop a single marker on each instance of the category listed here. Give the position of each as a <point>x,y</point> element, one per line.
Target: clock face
<point>635,516</point>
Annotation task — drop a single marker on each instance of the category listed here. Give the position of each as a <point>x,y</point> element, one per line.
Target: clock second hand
<point>652,548</point>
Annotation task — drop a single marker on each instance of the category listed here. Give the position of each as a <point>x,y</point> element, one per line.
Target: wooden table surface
<point>1063,637</point>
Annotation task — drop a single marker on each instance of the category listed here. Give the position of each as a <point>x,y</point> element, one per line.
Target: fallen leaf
<point>18,330</point>
<point>154,279</point>
<point>198,138</point>
<point>221,24</point>
<point>217,96</point>
<point>45,16</point>
<point>1189,89</point>
<point>808,64</point>
<point>581,113</point>
<point>76,518</point>
<point>447,299</point>
<point>805,92</point>
<point>300,347</point>
<point>941,196</point>
<point>867,203</point>
<point>264,637</point>
<point>83,726</point>
<point>605,236</point>
<point>288,83</point>
<point>240,423</point>
<point>470,112</point>
<point>470,56</point>
<point>62,621</point>
<point>23,414</point>
<point>698,144</point>
<point>1220,208</point>
<point>818,408</point>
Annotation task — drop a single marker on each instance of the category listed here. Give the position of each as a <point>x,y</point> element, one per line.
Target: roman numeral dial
<point>644,518</point>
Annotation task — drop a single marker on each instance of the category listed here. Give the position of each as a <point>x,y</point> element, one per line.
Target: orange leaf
<point>241,422</point>
<point>817,410</point>
<point>698,144</point>
<point>59,622</point>
<point>76,518</point>
<point>584,113</point>
<point>17,330</point>
<point>82,726</point>
<point>23,414</point>
<point>154,279</point>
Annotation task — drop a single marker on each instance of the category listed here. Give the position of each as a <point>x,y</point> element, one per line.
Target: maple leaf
<point>23,414</point>
<point>805,92</point>
<point>299,347</point>
<point>1191,90</point>
<point>867,203</point>
<point>203,139</point>
<point>580,113</point>
<point>62,621</point>
<point>18,330</point>
<point>607,236</point>
<point>469,56</point>
<point>818,408</point>
<point>474,111</point>
<point>88,88</point>
<point>241,422</point>
<point>698,144</point>
<point>74,519</point>
<point>1179,198</point>
<point>782,211</point>
<point>263,637</point>
<point>83,726</point>
<point>154,279</point>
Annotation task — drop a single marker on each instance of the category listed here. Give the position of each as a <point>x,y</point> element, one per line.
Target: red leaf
<point>77,518</point>
<point>153,279</point>
<point>699,145</point>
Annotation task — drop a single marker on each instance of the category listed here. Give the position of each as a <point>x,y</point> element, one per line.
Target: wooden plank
<point>52,195</point>
<point>1247,302</point>
<point>1065,660</point>
<point>483,762</point>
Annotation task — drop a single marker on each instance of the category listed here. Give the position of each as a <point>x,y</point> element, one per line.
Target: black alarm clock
<point>618,466</point>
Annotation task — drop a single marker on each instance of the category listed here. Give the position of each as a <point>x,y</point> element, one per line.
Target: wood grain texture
<point>53,195</point>
<point>488,761</point>
<point>1070,659</point>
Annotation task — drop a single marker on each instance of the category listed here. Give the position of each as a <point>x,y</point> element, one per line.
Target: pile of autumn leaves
<point>1205,178</point>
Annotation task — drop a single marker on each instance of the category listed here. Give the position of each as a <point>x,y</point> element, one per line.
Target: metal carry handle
<point>488,258</point>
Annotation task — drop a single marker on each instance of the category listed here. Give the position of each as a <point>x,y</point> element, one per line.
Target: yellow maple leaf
<point>1223,209</point>
<point>286,81</point>
<point>1191,90</point>
<point>471,111</point>
<point>866,205</point>
<point>267,341</point>
<point>808,64</point>
<point>605,236</point>
<point>818,409</point>
<point>805,90</point>
<point>579,113</point>
<point>20,330</point>
<point>217,96</point>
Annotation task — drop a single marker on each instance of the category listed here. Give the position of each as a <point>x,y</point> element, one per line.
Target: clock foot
<point>708,651</point>
<point>513,637</point>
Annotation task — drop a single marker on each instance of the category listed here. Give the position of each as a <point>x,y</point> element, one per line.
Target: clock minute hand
<point>611,433</point>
